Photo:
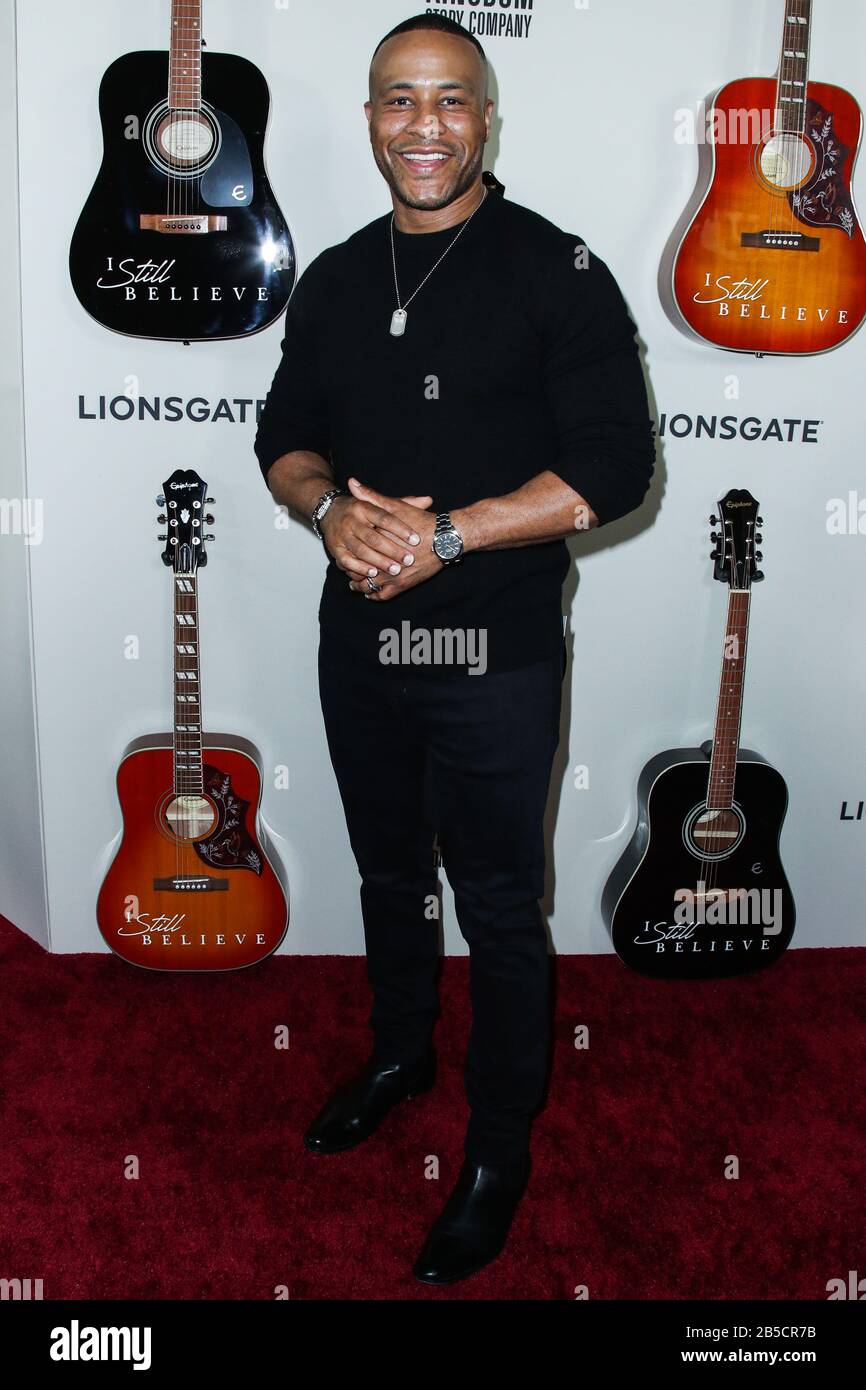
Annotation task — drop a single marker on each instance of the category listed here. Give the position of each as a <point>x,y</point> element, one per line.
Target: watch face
<point>447,545</point>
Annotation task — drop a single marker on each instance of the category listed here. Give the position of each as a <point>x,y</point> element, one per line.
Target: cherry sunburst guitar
<point>181,237</point>
<point>700,891</point>
<point>191,886</point>
<point>770,255</point>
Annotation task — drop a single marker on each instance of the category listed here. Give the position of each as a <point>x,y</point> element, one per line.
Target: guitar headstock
<point>184,497</point>
<point>734,551</point>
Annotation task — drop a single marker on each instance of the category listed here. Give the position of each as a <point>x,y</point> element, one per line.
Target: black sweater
<point>514,360</point>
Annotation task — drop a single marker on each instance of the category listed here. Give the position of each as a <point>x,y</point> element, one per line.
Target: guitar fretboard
<point>729,710</point>
<point>794,66</point>
<point>187,688</point>
<point>184,68</point>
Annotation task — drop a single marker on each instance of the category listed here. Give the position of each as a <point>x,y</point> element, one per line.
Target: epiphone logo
<point>149,276</point>
<point>738,504</point>
<point>748,292</point>
<point>181,487</point>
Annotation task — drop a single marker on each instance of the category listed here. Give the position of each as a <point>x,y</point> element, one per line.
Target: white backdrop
<point>584,134</point>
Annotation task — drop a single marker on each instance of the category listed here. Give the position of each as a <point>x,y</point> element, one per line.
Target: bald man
<point>459,391</point>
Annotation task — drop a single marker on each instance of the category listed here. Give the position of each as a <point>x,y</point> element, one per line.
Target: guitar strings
<point>184,120</point>
<point>807,48</point>
<point>705,860</point>
<point>710,839</point>
<point>187,722</point>
<point>730,705</point>
<point>794,132</point>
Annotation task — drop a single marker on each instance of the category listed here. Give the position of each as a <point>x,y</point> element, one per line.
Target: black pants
<point>470,757</point>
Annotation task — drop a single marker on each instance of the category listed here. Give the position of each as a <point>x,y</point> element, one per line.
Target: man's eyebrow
<point>408,86</point>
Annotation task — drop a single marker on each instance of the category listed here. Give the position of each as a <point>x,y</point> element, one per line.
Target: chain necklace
<point>398,318</point>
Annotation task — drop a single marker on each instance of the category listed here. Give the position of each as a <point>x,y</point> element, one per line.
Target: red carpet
<point>628,1195</point>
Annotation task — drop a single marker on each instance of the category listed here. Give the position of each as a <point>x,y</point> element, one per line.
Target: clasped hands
<point>388,540</point>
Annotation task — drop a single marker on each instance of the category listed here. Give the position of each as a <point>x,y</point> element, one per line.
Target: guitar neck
<point>184,64</point>
<point>729,709</point>
<point>794,66</point>
<point>188,776</point>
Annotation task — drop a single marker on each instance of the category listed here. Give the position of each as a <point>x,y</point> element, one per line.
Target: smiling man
<point>459,390</point>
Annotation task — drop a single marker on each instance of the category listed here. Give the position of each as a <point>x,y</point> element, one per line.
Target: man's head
<point>428,94</point>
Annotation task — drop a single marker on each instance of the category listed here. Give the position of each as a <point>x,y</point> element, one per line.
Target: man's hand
<point>365,539</point>
<point>403,513</point>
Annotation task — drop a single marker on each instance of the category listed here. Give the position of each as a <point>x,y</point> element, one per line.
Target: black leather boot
<point>359,1106</point>
<point>473,1226</point>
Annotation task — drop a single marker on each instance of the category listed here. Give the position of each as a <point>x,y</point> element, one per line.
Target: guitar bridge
<point>179,224</point>
<point>191,883</point>
<point>781,241</point>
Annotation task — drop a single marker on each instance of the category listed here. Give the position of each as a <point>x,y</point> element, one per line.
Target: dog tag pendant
<point>398,322</point>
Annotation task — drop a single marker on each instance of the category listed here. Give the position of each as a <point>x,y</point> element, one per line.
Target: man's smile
<point>425,161</point>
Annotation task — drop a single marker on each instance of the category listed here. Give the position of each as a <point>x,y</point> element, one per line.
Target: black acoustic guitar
<point>181,237</point>
<point>700,891</point>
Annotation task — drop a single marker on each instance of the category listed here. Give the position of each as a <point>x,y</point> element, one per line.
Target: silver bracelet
<point>322,506</point>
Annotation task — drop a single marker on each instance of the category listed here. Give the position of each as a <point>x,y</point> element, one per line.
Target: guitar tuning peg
<point>160,501</point>
<point>758,537</point>
<point>209,520</point>
<point>161,519</point>
<point>759,521</point>
<point>759,554</point>
<point>210,537</point>
<point>714,535</point>
<point>714,519</point>
<point>209,500</point>
<point>757,576</point>
<point>162,538</point>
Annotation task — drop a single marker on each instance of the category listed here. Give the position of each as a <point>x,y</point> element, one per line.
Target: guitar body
<point>199,894</point>
<point>639,901</point>
<point>802,290</point>
<point>195,278</point>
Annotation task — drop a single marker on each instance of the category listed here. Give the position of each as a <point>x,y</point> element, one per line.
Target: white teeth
<point>424,158</point>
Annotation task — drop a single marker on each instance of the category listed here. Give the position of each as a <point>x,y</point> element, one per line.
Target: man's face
<point>428,98</point>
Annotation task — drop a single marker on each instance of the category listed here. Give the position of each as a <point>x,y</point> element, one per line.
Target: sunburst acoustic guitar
<point>770,256</point>
<point>700,890</point>
<point>191,886</point>
<point>181,237</point>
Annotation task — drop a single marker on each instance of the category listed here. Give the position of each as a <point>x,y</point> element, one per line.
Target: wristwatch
<point>447,540</point>
<point>322,506</point>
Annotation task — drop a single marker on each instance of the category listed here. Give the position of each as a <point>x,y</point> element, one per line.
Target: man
<point>459,390</point>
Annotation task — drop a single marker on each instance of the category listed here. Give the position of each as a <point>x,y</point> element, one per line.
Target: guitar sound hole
<point>181,143</point>
<point>185,140</point>
<point>713,834</point>
<point>785,161</point>
<point>189,817</point>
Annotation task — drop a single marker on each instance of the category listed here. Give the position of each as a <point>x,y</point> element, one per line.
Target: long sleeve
<point>295,413</point>
<point>596,389</point>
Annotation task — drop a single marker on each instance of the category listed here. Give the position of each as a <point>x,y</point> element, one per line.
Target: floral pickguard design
<point>230,846</point>
<point>825,201</point>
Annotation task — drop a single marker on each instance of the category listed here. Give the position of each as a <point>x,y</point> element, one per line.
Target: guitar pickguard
<point>230,846</point>
<point>228,183</point>
<point>825,200</point>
